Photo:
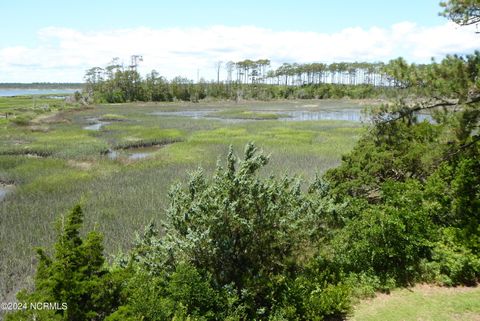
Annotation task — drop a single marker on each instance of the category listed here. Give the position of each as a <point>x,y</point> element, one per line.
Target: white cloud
<point>64,54</point>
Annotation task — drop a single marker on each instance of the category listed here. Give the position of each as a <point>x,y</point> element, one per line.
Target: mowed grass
<point>422,303</point>
<point>53,163</point>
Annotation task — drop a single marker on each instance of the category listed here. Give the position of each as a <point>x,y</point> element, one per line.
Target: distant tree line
<point>295,74</point>
<point>253,80</point>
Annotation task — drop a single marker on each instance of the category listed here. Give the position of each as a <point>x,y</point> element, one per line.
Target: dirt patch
<point>424,289</point>
<point>429,289</point>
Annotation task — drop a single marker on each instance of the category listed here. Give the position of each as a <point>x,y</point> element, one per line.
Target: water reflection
<point>195,114</point>
<point>301,115</point>
<point>133,153</point>
<point>350,115</point>
<point>4,190</point>
<point>353,115</point>
<point>97,124</point>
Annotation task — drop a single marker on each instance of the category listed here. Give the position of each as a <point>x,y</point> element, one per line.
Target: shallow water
<point>349,114</point>
<point>112,154</point>
<point>142,152</point>
<point>4,190</point>
<point>133,153</point>
<point>295,115</point>
<point>195,114</point>
<point>97,124</point>
<point>29,91</point>
<point>136,156</point>
<point>93,127</point>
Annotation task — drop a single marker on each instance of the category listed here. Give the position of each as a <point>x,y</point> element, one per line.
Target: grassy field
<point>121,173</point>
<point>422,303</point>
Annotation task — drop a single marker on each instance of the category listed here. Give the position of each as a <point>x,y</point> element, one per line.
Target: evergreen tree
<point>75,278</point>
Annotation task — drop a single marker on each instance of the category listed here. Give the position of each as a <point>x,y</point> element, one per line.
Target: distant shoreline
<point>18,92</point>
<point>31,86</point>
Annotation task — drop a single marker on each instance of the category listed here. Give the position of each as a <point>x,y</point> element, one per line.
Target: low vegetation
<point>53,169</point>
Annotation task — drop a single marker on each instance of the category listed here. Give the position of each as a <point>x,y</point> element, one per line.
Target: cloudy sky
<point>56,41</point>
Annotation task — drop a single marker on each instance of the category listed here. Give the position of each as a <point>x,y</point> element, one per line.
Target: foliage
<point>407,183</point>
<point>388,239</point>
<point>184,292</point>
<point>454,263</point>
<point>75,278</point>
<point>22,120</point>
<point>237,220</point>
<point>463,12</point>
<point>114,84</point>
<point>233,249</point>
<point>396,152</point>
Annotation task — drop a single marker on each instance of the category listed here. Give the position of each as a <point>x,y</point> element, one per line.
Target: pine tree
<point>75,278</point>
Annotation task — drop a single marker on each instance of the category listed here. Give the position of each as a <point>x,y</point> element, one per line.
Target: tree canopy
<point>462,12</point>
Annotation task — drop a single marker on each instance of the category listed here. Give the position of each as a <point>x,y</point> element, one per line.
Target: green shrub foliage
<point>236,248</point>
<point>407,196</point>
<point>75,278</point>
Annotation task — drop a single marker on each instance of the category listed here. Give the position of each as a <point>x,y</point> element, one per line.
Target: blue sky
<point>53,40</point>
<point>22,18</point>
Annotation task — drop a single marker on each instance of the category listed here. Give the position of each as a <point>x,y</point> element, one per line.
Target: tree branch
<point>460,148</point>
<point>443,103</point>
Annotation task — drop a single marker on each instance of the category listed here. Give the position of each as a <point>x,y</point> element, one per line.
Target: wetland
<point>121,159</point>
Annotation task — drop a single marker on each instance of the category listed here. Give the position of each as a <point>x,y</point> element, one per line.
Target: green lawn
<point>422,303</point>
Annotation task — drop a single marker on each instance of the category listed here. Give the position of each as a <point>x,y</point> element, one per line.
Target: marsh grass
<point>54,169</point>
<point>112,117</point>
<point>33,104</point>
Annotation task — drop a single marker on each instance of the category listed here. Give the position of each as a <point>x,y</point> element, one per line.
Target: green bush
<point>238,220</point>
<point>364,285</point>
<point>75,277</point>
<point>388,240</point>
<point>236,247</point>
<point>170,296</point>
<point>453,262</point>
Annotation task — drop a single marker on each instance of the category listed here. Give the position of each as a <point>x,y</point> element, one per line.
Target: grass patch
<point>112,117</point>
<point>21,120</point>
<point>422,303</point>
<point>123,136</point>
<point>32,103</point>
